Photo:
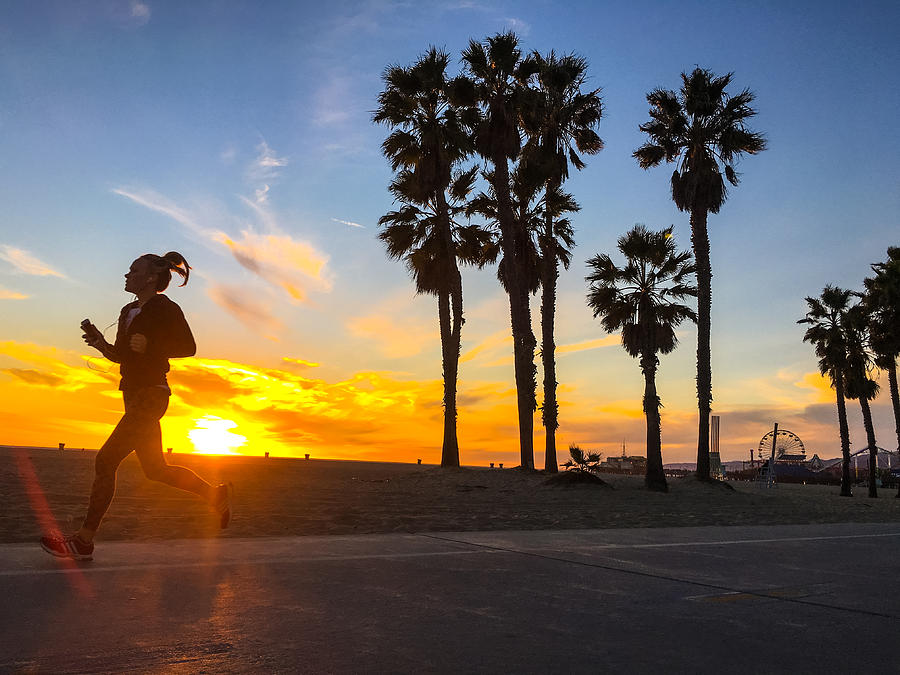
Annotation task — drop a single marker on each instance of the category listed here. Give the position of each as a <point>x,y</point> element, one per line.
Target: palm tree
<point>703,130</point>
<point>528,208</point>
<point>559,120</point>
<point>826,316</point>
<point>430,137</point>
<point>498,75</point>
<point>642,299</point>
<point>858,381</point>
<point>882,303</point>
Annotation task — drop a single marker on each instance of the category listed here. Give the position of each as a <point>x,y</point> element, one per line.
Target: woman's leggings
<point>138,431</point>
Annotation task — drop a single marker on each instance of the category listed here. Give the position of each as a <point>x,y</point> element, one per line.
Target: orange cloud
<point>491,344</point>
<point>6,294</point>
<point>284,262</point>
<point>26,263</point>
<point>818,384</point>
<point>246,306</point>
<point>292,265</point>
<point>609,340</point>
<point>35,376</point>
<point>299,362</point>
<point>398,336</point>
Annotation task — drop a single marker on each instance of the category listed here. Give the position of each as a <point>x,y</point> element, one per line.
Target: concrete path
<point>791,599</point>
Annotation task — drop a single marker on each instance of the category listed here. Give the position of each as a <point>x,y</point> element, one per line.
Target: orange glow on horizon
<point>224,407</point>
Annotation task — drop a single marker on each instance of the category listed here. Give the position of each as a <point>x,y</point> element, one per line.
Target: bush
<point>581,461</point>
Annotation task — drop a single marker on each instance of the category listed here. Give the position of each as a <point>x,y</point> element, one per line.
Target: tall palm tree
<point>826,316</point>
<point>560,120</point>
<point>643,300</point>
<point>702,129</point>
<point>528,208</point>
<point>859,383</point>
<point>882,303</point>
<point>430,137</point>
<point>498,76</point>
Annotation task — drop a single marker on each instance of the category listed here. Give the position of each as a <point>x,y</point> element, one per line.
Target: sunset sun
<point>213,436</point>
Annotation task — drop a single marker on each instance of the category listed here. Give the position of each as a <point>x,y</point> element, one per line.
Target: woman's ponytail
<point>164,265</point>
<point>179,265</point>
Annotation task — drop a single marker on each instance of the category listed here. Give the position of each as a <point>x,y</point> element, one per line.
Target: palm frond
<point>703,129</point>
<point>641,298</point>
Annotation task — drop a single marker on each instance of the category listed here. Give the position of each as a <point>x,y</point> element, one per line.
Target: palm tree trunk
<point>656,477</point>
<point>550,411</point>
<point>873,448</point>
<point>700,242</point>
<point>450,313</point>
<point>846,489</point>
<point>520,315</point>
<point>450,447</point>
<point>895,402</point>
<point>524,345</point>
<point>456,305</point>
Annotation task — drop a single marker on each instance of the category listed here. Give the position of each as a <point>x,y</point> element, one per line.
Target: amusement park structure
<point>781,453</point>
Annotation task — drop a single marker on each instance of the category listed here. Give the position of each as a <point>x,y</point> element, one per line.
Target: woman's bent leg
<point>150,453</point>
<point>117,447</point>
<point>177,476</point>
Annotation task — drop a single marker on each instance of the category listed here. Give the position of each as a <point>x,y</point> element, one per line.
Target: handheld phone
<point>90,329</point>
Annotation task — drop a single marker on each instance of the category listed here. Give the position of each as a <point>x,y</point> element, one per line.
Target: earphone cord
<point>90,359</point>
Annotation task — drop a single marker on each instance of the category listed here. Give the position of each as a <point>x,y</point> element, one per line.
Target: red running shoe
<point>67,547</point>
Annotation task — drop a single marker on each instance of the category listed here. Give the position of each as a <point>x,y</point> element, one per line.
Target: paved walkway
<point>815,598</point>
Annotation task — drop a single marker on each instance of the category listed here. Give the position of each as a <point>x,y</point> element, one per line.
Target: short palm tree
<point>430,137</point>
<point>859,382</point>
<point>703,130</point>
<point>498,74</point>
<point>643,301</point>
<point>882,303</point>
<point>559,118</point>
<point>826,316</point>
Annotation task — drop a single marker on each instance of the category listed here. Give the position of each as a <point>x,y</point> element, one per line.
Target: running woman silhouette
<point>151,330</point>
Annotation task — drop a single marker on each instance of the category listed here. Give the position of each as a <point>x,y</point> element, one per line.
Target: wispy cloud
<point>398,325</point>
<point>365,17</point>
<point>6,294</point>
<point>333,101</point>
<point>609,340</point>
<point>299,362</point>
<point>228,155</point>
<point>463,4</point>
<point>140,12</point>
<point>246,306</point>
<point>489,345</point>
<point>395,337</point>
<point>279,259</point>
<point>267,163</point>
<point>157,202</point>
<point>35,376</point>
<point>297,267</point>
<point>347,222</point>
<point>517,26</point>
<point>26,263</point>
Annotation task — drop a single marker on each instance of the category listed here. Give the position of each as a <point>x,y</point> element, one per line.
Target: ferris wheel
<point>786,443</point>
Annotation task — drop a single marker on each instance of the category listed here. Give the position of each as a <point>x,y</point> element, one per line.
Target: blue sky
<point>229,129</point>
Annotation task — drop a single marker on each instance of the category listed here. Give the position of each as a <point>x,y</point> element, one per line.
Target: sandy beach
<point>276,497</point>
